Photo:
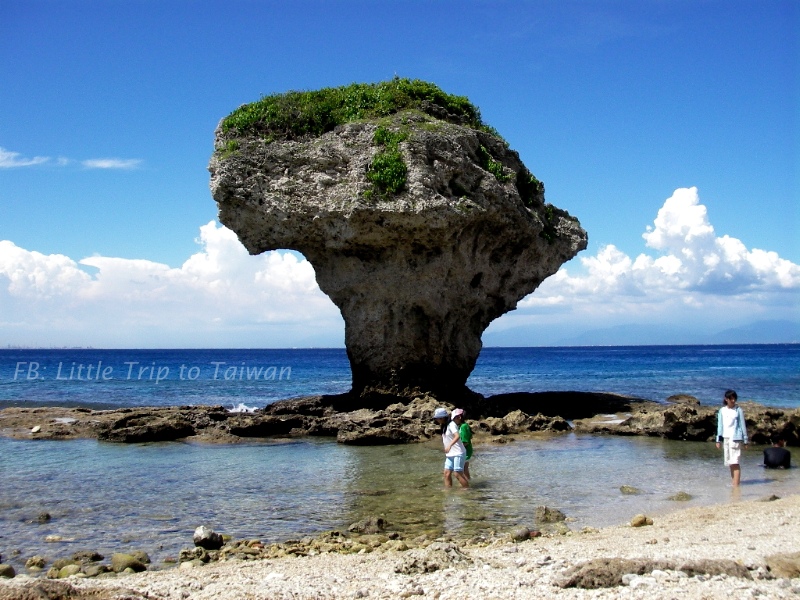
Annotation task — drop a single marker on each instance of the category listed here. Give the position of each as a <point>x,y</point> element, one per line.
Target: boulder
<point>193,554</point>
<point>493,426</point>
<point>68,571</point>
<point>35,563</point>
<point>369,525</point>
<point>641,521</point>
<point>422,225</point>
<point>120,562</point>
<point>520,534</point>
<point>785,565</point>
<point>7,571</point>
<point>544,514</point>
<point>84,556</point>
<point>207,538</point>
<point>95,570</point>
<point>140,555</point>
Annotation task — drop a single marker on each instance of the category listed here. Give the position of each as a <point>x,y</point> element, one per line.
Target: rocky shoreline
<point>416,558</point>
<point>688,554</point>
<point>493,419</point>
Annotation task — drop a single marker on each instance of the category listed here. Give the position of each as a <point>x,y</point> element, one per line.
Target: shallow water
<point>108,497</point>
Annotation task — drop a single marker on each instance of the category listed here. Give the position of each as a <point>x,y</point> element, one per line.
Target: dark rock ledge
<point>492,419</point>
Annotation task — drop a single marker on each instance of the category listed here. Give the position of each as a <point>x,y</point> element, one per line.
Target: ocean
<point>111,497</point>
<point>768,374</point>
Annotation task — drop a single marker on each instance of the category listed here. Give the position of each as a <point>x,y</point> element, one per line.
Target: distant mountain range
<point>761,332</point>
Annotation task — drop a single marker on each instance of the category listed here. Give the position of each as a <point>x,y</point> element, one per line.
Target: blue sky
<point>108,109</point>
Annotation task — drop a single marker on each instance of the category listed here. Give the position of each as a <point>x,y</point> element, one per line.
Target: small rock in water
<point>629,490</point>
<point>207,538</point>
<point>7,572</point>
<point>369,525</point>
<point>87,556</point>
<point>43,517</point>
<point>35,562</point>
<point>680,497</point>
<point>545,514</point>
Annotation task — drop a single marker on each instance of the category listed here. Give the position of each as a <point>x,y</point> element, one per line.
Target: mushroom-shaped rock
<point>422,225</point>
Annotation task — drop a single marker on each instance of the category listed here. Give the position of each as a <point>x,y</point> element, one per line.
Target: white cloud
<point>693,274</point>
<point>221,296</point>
<point>10,160</point>
<point>111,163</point>
<point>218,293</point>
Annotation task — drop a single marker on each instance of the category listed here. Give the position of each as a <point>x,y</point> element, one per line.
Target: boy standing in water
<point>465,434</point>
<point>454,450</point>
<point>732,434</point>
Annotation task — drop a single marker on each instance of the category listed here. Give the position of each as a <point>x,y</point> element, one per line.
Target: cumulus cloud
<point>219,292</point>
<point>691,267</point>
<point>688,276</point>
<point>11,160</point>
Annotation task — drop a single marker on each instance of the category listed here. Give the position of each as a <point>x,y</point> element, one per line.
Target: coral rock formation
<point>422,225</point>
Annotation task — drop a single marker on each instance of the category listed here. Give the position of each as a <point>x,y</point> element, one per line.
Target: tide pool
<point>111,497</point>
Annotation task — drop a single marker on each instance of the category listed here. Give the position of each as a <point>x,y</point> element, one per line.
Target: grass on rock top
<point>299,114</point>
<point>293,115</point>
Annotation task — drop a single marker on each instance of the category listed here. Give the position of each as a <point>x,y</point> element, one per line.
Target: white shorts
<point>732,451</point>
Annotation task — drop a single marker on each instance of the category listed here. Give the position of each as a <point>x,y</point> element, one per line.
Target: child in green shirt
<point>465,433</point>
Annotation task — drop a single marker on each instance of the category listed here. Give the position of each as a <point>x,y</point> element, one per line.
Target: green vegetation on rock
<point>231,146</point>
<point>549,231</point>
<point>301,114</point>
<point>296,114</point>
<point>490,164</point>
<point>530,189</point>
<point>388,169</point>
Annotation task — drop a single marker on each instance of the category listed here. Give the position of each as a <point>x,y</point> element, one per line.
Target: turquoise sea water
<point>108,497</point>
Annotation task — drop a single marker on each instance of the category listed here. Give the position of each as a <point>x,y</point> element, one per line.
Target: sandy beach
<point>738,550</point>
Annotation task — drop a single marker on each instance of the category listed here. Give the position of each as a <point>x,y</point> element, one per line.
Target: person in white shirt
<point>454,450</point>
<point>732,434</point>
